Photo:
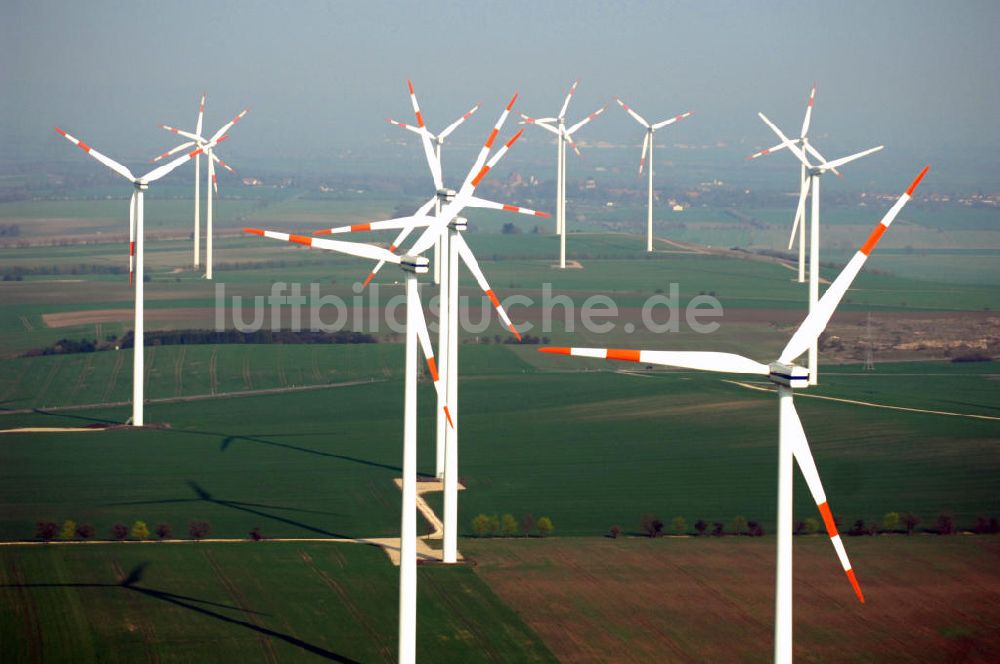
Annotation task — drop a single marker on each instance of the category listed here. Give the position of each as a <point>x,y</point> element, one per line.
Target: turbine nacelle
<point>446,195</point>
<point>788,375</point>
<point>414,264</point>
<point>141,185</point>
<point>458,224</point>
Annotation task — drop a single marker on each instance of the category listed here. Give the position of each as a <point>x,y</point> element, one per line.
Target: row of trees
<point>652,526</point>
<point>893,522</point>
<point>48,531</point>
<point>490,525</point>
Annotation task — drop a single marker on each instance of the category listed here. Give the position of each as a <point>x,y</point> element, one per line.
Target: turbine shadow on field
<point>191,604</point>
<point>229,439</point>
<point>203,495</point>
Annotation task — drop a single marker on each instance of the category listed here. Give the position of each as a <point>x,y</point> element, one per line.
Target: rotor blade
<point>565,106</point>
<point>791,426</point>
<point>419,215</point>
<point>573,145</point>
<point>168,153</point>
<point>160,171</point>
<point>676,118</point>
<point>811,149</point>
<point>488,145</point>
<point>470,261</point>
<point>645,147</point>
<point>830,165</point>
<point>107,161</point>
<point>703,361</point>
<point>415,130</point>
<point>350,248</point>
<point>816,321</point>
<point>217,159</point>
<point>226,127</point>
<point>211,176</point>
<point>422,210</point>
<point>584,121</point>
<point>388,224</point>
<point>425,344</point>
<point>454,125</point>
<point>470,185</point>
<point>800,211</point>
<point>763,153</point>
<point>131,236</point>
<point>540,123</point>
<point>638,118</point>
<point>425,140</point>
<point>186,134</point>
<point>201,115</point>
<point>483,203</point>
<point>809,112</point>
<point>784,139</point>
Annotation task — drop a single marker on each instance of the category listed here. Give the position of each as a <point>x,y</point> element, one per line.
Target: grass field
<point>243,602</point>
<point>588,448</point>
<point>583,442</point>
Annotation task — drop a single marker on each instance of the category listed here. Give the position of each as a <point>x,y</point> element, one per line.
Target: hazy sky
<point>917,76</point>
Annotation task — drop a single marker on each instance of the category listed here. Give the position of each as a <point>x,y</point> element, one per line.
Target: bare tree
<point>910,522</point>
<point>46,530</point>
<point>700,526</point>
<point>199,529</point>
<point>614,532</point>
<point>163,531</point>
<point>527,524</point>
<point>119,531</point>
<point>85,531</point>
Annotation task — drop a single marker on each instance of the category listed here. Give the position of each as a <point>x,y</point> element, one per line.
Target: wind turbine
<point>212,186</point>
<point>792,443</point>
<point>416,331</point>
<point>648,142</point>
<point>136,235</point>
<point>429,139</point>
<point>557,126</point>
<point>810,185</point>
<point>448,221</point>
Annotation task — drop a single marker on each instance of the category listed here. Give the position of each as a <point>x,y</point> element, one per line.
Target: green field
<point>588,448</point>
<point>305,441</point>
<point>243,602</point>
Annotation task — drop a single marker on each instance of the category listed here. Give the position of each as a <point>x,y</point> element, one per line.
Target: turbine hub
<point>789,375</point>
<point>458,224</point>
<point>414,264</point>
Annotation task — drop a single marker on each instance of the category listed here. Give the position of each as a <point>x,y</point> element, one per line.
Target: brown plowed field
<point>929,598</point>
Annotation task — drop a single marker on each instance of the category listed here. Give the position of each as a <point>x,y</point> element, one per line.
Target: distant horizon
<point>322,78</point>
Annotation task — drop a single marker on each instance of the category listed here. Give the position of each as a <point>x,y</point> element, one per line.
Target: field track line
<point>179,372</point>
<point>266,645</point>
<point>48,381</point>
<point>192,397</point>
<point>213,377</point>
<point>113,380</point>
<point>360,617</point>
<point>247,380</point>
<point>27,324</point>
<point>81,379</point>
<point>137,613</point>
<point>905,409</point>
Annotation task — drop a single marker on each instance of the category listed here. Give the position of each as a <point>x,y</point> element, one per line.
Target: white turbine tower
<point>810,186</point>
<point>448,221</point>
<point>557,126</point>
<point>647,142</point>
<point>434,161</point>
<point>792,442</point>
<point>416,332</point>
<point>212,186</point>
<point>136,228</point>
